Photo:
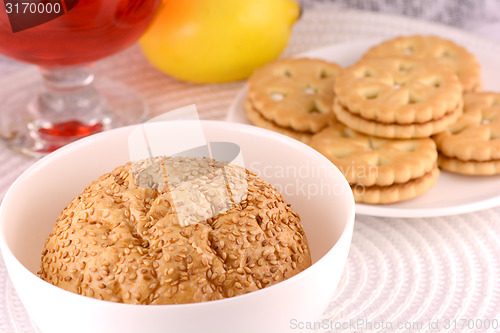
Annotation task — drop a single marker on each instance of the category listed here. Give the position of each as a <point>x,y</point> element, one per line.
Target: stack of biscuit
<point>398,97</point>
<point>471,145</point>
<point>379,170</point>
<point>292,96</point>
<point>408,106</point>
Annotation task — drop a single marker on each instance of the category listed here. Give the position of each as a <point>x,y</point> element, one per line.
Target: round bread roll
<point>174,230</point>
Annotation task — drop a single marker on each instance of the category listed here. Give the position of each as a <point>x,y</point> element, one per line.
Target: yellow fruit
<point>210,41</point>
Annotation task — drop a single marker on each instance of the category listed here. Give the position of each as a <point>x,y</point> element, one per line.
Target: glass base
<point>22,133</point>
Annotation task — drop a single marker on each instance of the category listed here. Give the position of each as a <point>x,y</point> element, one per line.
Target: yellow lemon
<point>211,41</point>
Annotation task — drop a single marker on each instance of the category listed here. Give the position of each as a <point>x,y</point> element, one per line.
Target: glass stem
<point>68,94</point>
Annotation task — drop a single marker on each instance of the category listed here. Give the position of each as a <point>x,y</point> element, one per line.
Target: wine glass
<point>64,38</point>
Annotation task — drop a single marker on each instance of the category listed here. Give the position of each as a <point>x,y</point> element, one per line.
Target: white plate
<point>453,193</point>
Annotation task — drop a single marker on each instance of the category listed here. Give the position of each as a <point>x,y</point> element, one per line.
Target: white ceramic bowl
<point>314,187</point>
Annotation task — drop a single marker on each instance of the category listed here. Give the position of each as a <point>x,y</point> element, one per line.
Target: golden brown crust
<point>294,93</point>
<point>439,50</point>
<point>123,243</point>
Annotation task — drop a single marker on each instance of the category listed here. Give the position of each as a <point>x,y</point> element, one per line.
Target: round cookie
<point>256,118</point>
<point>400,131</point>
<point>397,97</point>
<point>373,166</point>
<point>396,192</point>
<point>440,50</point>
<point>294,93</point>
<point>472,144</point>
<point>484,168</point>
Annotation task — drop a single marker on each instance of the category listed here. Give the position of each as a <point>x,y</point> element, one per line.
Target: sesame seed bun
<point>123,242</point>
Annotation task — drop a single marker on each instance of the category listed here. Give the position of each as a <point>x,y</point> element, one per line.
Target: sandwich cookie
<point>397,97</point>
<point>379,170</point>
<point>472,144</point>
<point>294,93</point>
<point>436,49</point>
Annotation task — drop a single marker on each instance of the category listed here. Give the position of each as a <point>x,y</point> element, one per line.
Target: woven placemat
<point>402,275</point>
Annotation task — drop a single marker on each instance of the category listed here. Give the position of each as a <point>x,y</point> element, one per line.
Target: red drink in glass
<point>63,37</point>
<point>89,31</point>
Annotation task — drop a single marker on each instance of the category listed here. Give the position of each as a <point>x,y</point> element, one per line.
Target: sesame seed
<point>204,262</point>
